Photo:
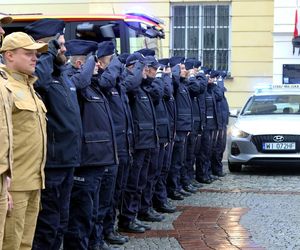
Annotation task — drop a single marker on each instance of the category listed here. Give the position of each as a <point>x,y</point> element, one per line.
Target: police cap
<point>189,63</point>
<point>123,57</point>
<point>146,52</point>
<point>205,70</point>
<point>134,58</point>
<point>214,73</point>
<point>78,47</point>
<point>105,48</point>
<point>174,60</point>
<point>223,73</point>
<point>151,61</point>
<point>46,27</point>
<point>197,64</point>
<point>165,62</point>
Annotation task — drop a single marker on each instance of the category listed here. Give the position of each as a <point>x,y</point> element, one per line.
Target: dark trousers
<point>87,181</point>
<point>125,163</point>
<point>104,199</point>
<point>203,153</point>
<point>160,190</point>
<point>187,171</point>
<point>177,162</point>
<point>218,151</point>
<point>136,182</point>
<point>53,219</point>
<point>154,172</point>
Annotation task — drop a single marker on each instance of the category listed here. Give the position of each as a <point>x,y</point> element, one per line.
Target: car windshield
<point>272,105</point>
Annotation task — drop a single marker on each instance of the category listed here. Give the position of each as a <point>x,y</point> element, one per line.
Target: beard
<point>60,59</point>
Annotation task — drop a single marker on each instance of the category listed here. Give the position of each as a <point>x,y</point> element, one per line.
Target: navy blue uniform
<point>220,142</point>
<point>146,138</point>
<point>160,191</point>
<point>183,127</point>
<point>193,85</point>
<point>205,142</point>
<point>64,132</point>
<point>163,130</point>
<point>113,86</point>
<point>98,136</point>
<point>107,186</point>
<point>197,107</point>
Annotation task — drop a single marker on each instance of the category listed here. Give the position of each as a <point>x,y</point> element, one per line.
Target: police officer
<point>220,142</point>
<point>5,137</point>
<point>146,138</point>
<point>155,88</point>
<point>147,212</point>
<point>204,144</point>
<point>196,86</point>
<point>64,133</point>
<point>160,201</point>
<point>105,54</point>
<point>198,120</point>
<point>183,127</point>
<point>88,177</point>
<point>29,144</point>
<point>113,86</point>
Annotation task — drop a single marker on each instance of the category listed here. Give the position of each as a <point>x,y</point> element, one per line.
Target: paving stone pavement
<point>259,205</point>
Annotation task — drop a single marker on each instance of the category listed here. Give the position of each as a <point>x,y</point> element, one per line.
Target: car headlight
<point>236,132</point>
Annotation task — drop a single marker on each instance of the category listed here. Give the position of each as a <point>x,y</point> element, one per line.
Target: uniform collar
<point>20,77</point>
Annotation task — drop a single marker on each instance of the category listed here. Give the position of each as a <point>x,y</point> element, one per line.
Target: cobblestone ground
<point>255,209</point>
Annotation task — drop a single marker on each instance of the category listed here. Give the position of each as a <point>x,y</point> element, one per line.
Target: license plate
<point>279,145</point>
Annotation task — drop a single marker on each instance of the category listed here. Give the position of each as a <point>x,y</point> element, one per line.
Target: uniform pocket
<point>96,137</point>
<point>145,133</point>
<point>22,105</point>
<point>145,126</point>
<point>25,116</point>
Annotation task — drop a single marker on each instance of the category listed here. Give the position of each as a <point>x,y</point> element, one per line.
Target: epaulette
<point>3,75</point>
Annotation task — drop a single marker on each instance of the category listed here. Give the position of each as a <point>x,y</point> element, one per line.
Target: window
<point>202,32</point>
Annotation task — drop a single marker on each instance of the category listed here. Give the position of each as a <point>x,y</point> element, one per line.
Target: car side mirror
<point>234,113</point>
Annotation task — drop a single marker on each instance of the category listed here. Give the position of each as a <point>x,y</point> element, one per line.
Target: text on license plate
<point>279,146</point>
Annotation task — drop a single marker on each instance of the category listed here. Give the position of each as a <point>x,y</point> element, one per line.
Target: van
<point>129,32</point>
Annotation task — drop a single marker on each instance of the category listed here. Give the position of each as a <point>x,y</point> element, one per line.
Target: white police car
<point>267,130</point>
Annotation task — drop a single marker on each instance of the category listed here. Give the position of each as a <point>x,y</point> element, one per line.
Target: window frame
<point>200,28</point>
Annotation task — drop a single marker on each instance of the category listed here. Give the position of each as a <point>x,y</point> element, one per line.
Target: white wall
<point>284,19</point>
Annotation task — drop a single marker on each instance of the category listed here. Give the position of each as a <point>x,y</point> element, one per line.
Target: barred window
<point>202,32</point>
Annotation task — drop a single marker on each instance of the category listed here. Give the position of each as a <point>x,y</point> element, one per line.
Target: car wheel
<point>234,167</point>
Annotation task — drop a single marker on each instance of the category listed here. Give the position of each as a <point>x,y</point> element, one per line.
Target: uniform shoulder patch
<point>3,75</point>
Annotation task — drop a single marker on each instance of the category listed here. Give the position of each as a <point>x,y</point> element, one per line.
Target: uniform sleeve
<point>44,70</point>
<point>218,93</point>
<point>168,86</point>
<point>193,86</point>
<point>82,78</point>
<point>202,82</point>
<point>133,79</point>
<point>220,83</point>
<point>156,90</point>
<point>176,76</point>
<point>111,73</point>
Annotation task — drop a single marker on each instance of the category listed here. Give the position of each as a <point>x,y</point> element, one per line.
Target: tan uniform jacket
<point>29,133</point>
<point>6,138</point>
